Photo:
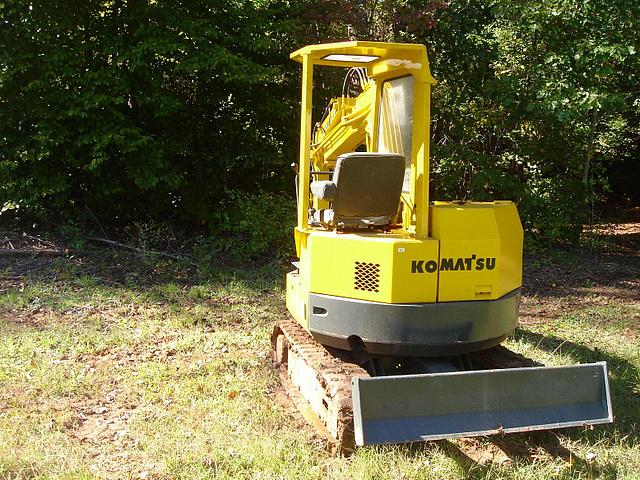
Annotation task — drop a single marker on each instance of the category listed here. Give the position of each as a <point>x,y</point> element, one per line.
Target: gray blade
<point>408,408</point>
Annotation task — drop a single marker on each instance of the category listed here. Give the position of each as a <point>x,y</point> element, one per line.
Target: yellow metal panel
<point>300,237</point>
<point>480,249</point>
<point>421,121</point>
<point>353,47</point>
<point>297,299</point>
<point>374,267</point>
<point>407,57</point>
<point>305,141</point>
<point>410,286</point>
<point>511,241</point>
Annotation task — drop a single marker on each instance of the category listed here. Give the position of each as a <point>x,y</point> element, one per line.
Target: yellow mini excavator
<point>399,304</point>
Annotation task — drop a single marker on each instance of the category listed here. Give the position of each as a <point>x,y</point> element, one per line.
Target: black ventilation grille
<point>367,277</point>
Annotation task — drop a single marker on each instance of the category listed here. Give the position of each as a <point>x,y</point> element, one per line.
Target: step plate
<point>407,408</point>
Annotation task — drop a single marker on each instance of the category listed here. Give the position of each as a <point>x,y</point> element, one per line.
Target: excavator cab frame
<point>384,63</point>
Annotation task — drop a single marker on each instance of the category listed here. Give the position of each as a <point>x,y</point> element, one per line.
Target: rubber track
<point>320,383</point>
<point>329,393</point>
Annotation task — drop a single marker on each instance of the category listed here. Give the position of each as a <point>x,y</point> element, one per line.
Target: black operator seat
<point>365,190</point>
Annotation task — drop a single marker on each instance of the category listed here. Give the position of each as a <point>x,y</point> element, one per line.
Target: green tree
<point>137,108</point>
<point>535,100</point>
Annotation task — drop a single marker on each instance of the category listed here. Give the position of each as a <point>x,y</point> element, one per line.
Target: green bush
<point>257,227</point>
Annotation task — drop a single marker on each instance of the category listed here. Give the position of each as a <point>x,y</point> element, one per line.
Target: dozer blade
<point>407,408</point>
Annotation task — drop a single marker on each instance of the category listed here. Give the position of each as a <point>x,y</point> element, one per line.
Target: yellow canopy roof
<point>376,49</point>
<point>366,54</point>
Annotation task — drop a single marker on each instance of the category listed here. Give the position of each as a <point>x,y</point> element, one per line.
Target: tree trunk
<point>591,147</point>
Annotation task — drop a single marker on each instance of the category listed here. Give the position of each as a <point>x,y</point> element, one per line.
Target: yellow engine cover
<point>474,253</point>
<point>480,249</point>
<point>368,266</point>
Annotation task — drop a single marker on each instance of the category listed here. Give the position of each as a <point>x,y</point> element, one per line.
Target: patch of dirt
<point>584,275</point>
<point>102,421</point>
<point>105,265</point>
<point>623,237</point>
<point>479,451</point>
<point>103,429</point>
<point>17,240</point>
<point>40,318</point>
<point>15,319</point>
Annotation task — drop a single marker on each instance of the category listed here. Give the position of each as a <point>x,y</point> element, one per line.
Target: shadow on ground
<point>611,263</point>
<point>623,382</point>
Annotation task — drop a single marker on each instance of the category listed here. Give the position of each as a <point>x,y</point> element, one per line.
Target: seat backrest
<point>368,188</point>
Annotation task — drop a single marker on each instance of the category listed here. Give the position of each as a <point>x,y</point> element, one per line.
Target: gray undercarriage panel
<point>443,328</point>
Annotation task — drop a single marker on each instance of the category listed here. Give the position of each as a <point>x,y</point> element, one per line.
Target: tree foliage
<point>536,100</point>
<point>129,106</point>
<point>159,108</point>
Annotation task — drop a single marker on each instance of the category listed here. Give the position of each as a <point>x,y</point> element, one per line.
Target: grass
<point>150,371</point>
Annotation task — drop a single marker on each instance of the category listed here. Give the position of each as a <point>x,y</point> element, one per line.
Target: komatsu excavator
<point>399,304</point>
